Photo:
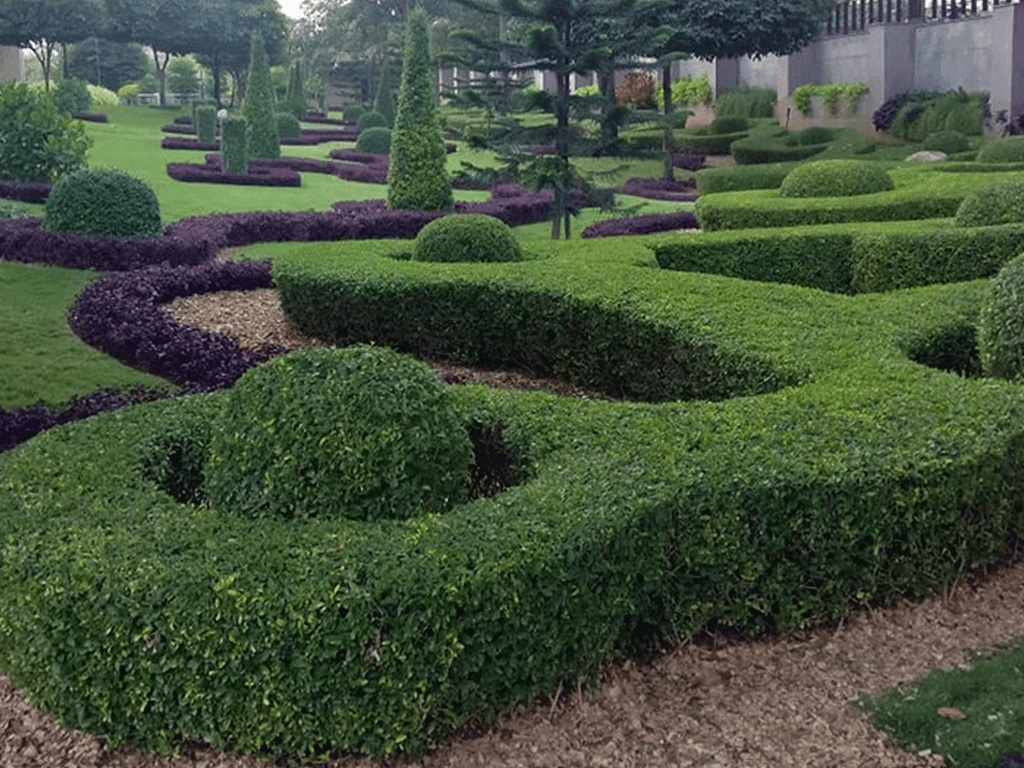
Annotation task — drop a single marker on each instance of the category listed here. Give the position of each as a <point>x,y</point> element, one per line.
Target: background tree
<point>44,25</point>
<point>310,43</point>
<point>258,107</point>
<point>559,38</point>
<point>418,176</point>
<point>108,64</point>
<point>182,76</point>
<point>295,98</point>
<point>163,26</point>
<point>726,29</point>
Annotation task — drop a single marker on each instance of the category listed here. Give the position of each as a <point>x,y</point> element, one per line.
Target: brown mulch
<point>719,702</point>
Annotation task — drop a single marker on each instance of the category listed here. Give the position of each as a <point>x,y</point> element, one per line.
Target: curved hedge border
<point>922,192</point>
<point>642,225</point>
<point>25,191</point>
<point>874,475</point>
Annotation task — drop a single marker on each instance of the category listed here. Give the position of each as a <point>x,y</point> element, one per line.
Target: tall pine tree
<point>418,177</point>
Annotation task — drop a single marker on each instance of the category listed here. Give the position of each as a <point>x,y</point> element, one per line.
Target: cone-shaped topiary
<point>259,108</point>
<point>103,201</point>
<point>418,176</point>
<point>384,101</point>
<point>361,432</point>
<point>1001,324</point>
<point>295,99</point>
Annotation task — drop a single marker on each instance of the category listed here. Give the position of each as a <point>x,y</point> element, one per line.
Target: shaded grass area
<point>40,358</point>
<point>990,694</point>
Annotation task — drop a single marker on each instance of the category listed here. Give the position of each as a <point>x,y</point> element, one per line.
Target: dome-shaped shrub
<point>103,201</point>
<point>835,178</point>
<point>1001,324</point>
<point>992,204</point>
<point>371,120</point>
<point>287,125</point>
<point>376,141</point>
<point>466,237</point>
<point>949,142</point>
<point>814,135</point>
<point>1006,150</point>
<point>361,432</point>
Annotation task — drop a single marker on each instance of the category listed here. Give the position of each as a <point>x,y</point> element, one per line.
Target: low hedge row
<point>856,475</point>
<point>179,142</point>
<point>258,174</point>
<point>732,178</point>
<point>849,258</point>
<point>660,189</point>
<point>920,193</point>
<point>25,191</point>
<point>642,225</point>
<point>753,150</point>
<point>22,240</point>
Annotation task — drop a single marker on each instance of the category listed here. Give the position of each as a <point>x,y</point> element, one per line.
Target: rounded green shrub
<point>1001,324</point>
<point>361,432</point>
<point>1005,150</point>
<point>466,237</point>
<point>992,204</point>
<point>835,178</point>
<point>728,124</point>
<point>72,95</point>
<point>950,142</point>
<point>287,125</point>
<point>103,201</point>
<point>371,120</point>
<point>376,141</point>
<point>352,112</point>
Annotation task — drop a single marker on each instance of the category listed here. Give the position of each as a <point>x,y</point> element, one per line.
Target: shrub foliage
<point>362,433</point>
<point>376,141</point>
<point>466,237</point>
<point>1001,203</point>
<point>259,109</point>
<point>418,176</point>
<point>836,178</point>
<point>100,201</point>
<point>1001,325</point>
<point>37,142</point>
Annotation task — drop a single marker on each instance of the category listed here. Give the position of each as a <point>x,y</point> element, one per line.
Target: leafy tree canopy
<point>43,25</point>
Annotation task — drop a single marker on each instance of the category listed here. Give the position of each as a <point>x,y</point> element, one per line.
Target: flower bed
<point>177,142</point>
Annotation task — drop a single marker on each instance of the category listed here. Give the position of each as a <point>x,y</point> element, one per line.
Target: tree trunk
<point>668,140</point>
<point>606,87</point>
<point>562,151</point>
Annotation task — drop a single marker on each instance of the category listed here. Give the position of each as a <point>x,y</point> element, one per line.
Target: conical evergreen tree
<point>418,177</point>
<point>295,100</point>
<point>259,107</point>
<point>384,102</point>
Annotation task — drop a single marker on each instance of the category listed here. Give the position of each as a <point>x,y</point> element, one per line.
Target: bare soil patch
<point>715,701</point>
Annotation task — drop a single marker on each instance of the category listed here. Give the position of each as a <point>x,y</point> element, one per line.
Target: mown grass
<point>990,693</point>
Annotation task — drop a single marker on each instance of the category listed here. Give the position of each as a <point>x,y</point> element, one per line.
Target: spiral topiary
<point>1001,324</point>
<point>1006,150</point>
<point>371,120</point>
<point>991,205</point>
<point>376,141</point>
<point>949,142</point>
<point>103,201</point>
<point>361,432</point>
<point>835,178</point>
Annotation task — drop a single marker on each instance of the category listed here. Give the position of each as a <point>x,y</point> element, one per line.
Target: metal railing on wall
<point>852,16</point>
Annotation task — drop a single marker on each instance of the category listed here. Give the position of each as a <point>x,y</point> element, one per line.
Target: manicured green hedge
<point>128,613</point>
<point>848,258</point>
<point>731,178</point>
<point>767,149</point>
<point>708,144</point>
<point>921,193</point>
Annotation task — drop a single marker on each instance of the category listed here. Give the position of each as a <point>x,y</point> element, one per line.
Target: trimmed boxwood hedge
<point>921,193</point>
<point>129,613</point>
